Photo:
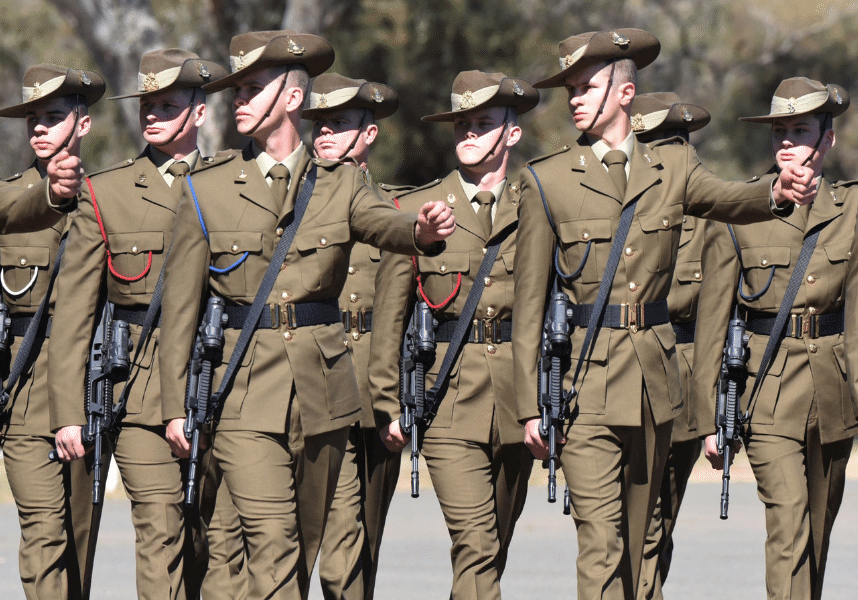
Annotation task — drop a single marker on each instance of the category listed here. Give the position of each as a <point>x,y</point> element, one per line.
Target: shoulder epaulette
<point>674,140</point>
<point>389,187</point>
<point>419,188</point>
<point>120,165</point>
<point>14,177</point>
<point>549,155</point>
<point>844,183</point>
<point>327,164</point>
<point>224,156</point>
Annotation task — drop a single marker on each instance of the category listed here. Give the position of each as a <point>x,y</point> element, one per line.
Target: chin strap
<point>604,98</point>
<point>184,123</point>
<point>357,135</point>
<point>500,137</point>
<point>66,143</point>
<point>273,102</point>
<point>823,127</point>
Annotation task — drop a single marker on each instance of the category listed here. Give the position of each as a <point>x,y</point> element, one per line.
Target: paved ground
<point>713,559</point>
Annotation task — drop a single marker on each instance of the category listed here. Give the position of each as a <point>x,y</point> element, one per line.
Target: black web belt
<point>480,332</point>
<point>290,316</point>
<point>19,326</point>
<point>685,332</point>
<point>359,321</point>
<point>799,326</point>
<point>624,316</point>
<point>133,316</point>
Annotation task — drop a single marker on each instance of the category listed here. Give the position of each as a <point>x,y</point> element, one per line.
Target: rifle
<point>729,421</point>
<point>554,362</point>
<point>208,351</point>
<point>5,323</point>
<point>418,354</point>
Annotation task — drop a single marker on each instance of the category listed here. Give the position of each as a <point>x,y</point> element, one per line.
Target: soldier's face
<point>334,132</point>
<point>794,139</point>
<point>49,125</point>
<point>255,95</point>
<point>162,116</point>
<point>476,132</point>
<point>586,90</point>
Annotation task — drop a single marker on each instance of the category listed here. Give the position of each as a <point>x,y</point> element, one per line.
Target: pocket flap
<point>323,236</point>
<point>659,221</point>
<point>687,272</point>
<point>446,262</point>
<point>136,242</point>
<point>838,251</point>
<point>235,242</point>
<point>25,256</point>
<point>763,257</point>
<point>584,230</point>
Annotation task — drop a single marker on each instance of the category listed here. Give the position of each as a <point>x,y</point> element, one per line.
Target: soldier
<point>476,435</point>
<point>629,390</point>
<point>294,392</point>
<point>53,500</point>
<point>119,242</point>
<point>657,119</point>
<point>802,417</point>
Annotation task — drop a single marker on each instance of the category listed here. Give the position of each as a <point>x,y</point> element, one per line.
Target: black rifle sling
<point>32,329</point>
<point>605,286</point>
<point>265,287</point>
<point>435,395</point>
<point>779,326</point>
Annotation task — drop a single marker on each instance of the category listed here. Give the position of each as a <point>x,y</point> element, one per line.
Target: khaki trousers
<point>54,503</point>
<point>226,577</point>
<point>614,476</point>
<point>481,489</point>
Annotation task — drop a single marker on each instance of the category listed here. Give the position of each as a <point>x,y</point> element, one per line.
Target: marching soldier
<point>294,395</point>
<point>118,243</point>
<point>53,500</point>
<point>801,415</point>
<point>657,119</point>
<point>476,436</point>
<point>629,387</point>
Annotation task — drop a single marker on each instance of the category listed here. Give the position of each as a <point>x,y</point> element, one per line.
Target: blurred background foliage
<point>725,55</point>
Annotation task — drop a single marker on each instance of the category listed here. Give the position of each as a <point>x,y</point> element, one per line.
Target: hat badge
<point>203,71</point>
<point>323,102</point>
<point>638,122</point>
<point>37,91</point>
<point>240,59</point>
<point>376,96</point>
<point>837,97</point>
<point>295,48</point>
<point>516,89</point>
<point>567,61</point>
<point>619,40</point>
<point>791,105</point>
<point>467,101</point>
<point>84,79</point>
<point>150,84</point>
<point>686,115</point>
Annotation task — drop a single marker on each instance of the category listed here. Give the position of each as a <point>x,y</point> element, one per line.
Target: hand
<point>392,436</point>
<point>179,444</point>
<point>710,451</point>
<point>535,442</point>
<point>435,222</point>
<point>65,174</point>
<point>69,445</point>
<point>795,184</point>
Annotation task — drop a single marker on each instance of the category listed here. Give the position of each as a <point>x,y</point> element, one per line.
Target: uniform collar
<point>266,161</point>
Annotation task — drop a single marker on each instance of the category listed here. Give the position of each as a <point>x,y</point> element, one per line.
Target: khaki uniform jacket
<point>802,368</point>
<point>669,181</point>
<point>242,215</point>
<point>23,255</point>
<point>682,302</point>
<point>138,210</point>
<point>481,380</point>
<point>29,208</point>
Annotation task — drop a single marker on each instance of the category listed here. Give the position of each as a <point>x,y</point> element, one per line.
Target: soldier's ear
<point>371,132</point>
<point>84,125</point>
<point>626,91</point>
<point>199,114</point>
<point>513,136</point>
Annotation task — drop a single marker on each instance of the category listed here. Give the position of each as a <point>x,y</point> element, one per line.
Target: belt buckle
<point>631,316</point>
<point>346,318</point>
<point>798,325</point>
<point>356,322</point>
<point>274,315</point>
<point>290,316</point>
<point>492,330</point>
<point>361,320</point>
<point>478,334</point>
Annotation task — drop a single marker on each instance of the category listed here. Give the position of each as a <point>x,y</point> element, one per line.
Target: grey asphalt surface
<point>713,558</point>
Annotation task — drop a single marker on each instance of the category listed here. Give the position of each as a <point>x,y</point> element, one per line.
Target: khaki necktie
<point>279,175</point>
<point>616,161</point>
<point>178,170</point>
<point>484,214</point>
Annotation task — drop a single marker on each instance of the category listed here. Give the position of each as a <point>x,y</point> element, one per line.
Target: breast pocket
<point>838,259</point>
<point>661,231</point>
<point>581,244</point>
<point>440,274</point>
<point>228,249</point>
<point>130,259</point>
<point>25,273</point>
<point>322,248</point>
<point>759,263</point>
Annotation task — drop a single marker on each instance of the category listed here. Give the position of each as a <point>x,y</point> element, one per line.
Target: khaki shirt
<point>29,208</point>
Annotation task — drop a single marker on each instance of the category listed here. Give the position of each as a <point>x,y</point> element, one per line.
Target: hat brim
<point>505,96</point>
<point>829,106</point>
<point>643,49</point>
<point>675,119</point>
<point>93,93</point>
<point>363,100</point>
<point>317,57</point>
<point>187,78</point>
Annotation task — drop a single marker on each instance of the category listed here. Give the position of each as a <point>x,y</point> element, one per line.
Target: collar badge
<point>582,161</point>
<point>242,175</point>
<point>451,198</point>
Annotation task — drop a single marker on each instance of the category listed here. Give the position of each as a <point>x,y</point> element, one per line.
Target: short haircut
<point>512,116</point>
<point>76,101</point>
<point>298,77</point>
<point>625,71</point>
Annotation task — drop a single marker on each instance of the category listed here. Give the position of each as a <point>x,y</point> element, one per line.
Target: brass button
<point>490,311</point>
<point>813,348</point>
<point>629,251</point>
<point>633,286</point>
<point>278,231</point>
<point>234,247</point>
<point>352,270</point>
<point>485,250</point>
<point>323,242</point>
<point>684,219</point>
<point>283,266</point>
<point>288,336</point>
<point>29,185</point>
<point>697,275</point>
<point>491,349</point>
<point>665,222</point>
<point>811,279</point>
<point>135,250</point>
<point>489,281</point>
<point>764,262</point>
<point>346,342</point>
<point>23,262</point>
<point>356,335</point>
<point>811,310</point>
<point>285,295</point>
<point>353,298</point>
<point>451,198</point>
<point>443,268</point>
<point>585,236</point>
